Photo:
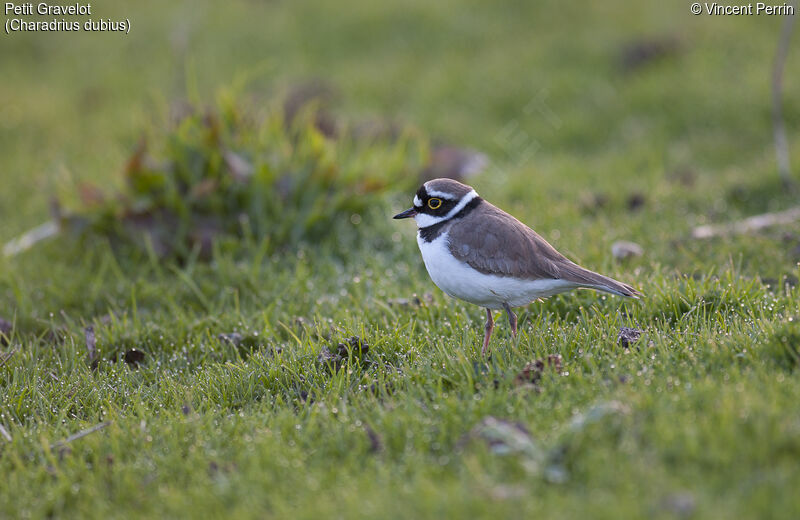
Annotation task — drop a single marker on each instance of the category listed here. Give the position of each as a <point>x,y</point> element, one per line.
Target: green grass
<point>699,418</point>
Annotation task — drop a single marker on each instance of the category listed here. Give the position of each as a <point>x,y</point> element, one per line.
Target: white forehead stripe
<point>440,194</point>
<point>417,202</point>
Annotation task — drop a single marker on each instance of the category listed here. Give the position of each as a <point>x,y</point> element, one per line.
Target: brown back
<point>493,242</point>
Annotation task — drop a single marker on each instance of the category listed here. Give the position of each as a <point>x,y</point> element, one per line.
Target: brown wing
<point>493,242</point>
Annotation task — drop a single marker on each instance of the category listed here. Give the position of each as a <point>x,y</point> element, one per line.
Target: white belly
<point>461,281</point>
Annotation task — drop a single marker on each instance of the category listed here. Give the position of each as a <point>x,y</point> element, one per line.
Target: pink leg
<point>512,320</point>
<point>488,328</point>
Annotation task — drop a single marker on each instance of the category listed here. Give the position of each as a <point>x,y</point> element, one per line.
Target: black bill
<point>410,212</point>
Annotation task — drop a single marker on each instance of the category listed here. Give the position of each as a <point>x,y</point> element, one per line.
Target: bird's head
<point>438,200</point>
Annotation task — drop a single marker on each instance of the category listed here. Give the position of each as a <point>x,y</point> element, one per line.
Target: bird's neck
<point>430,232</point>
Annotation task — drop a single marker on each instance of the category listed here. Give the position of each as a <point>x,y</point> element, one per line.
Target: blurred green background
<point>510,79</point>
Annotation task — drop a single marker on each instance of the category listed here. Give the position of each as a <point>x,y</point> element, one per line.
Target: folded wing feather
<point>497,243</point>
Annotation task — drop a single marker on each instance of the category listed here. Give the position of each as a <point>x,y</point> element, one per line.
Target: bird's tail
<point>612,286</point>
<point>591,280</point>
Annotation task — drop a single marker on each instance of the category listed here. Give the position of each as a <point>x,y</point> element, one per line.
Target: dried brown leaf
<point>91,346</point>
<point>637,54</point>
<point>375,441</point>
<point>531,374</point>
<point>454,163</point>
<point>133,357</point>
<point>627,336</point>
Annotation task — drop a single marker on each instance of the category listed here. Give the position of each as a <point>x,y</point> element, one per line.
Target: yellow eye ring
<point>434,203</point>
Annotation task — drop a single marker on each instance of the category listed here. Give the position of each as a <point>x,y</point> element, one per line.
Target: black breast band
<point>430,233</point>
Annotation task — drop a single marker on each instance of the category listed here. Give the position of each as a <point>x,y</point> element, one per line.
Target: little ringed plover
<point>478,253</point>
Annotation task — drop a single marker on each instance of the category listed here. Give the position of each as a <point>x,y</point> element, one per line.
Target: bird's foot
<point>488,328</point>
<point>512,320</point>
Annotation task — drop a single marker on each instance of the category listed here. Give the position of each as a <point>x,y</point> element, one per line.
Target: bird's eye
<point>434,203</point>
